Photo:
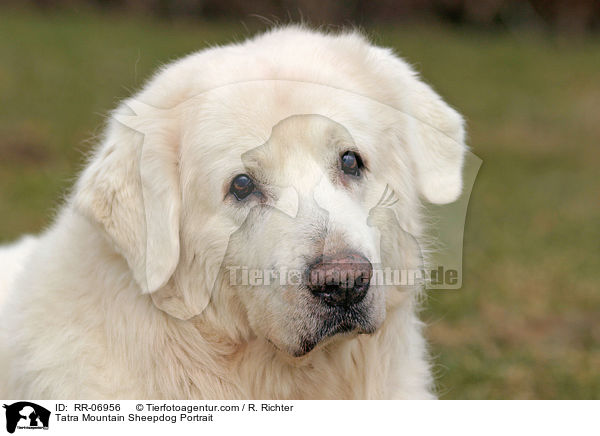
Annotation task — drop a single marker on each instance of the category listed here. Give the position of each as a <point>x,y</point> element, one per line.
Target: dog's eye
<point>241,186</point>
<point>351,163</point>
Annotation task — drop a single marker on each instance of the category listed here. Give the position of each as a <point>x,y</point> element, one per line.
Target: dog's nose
<point>340,280</point>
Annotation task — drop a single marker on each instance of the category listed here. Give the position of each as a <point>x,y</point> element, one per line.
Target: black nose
<point>340,280</point>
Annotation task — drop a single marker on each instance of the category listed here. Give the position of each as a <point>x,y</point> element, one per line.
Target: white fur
<point>124,296</point>
<point>13,259</point>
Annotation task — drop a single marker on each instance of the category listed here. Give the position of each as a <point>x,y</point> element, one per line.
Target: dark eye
<point>351,163</point>
<point>241,186</point>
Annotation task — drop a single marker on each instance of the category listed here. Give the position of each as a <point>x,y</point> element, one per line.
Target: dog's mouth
<point>351,321</point>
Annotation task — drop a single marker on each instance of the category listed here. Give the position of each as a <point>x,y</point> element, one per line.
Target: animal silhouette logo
<point>26,415</point>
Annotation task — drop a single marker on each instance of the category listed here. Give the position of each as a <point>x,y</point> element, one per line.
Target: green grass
<point>526,323</point>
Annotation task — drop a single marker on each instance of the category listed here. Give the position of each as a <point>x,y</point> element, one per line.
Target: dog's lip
<point>309,345</point>
<point>343,327</point>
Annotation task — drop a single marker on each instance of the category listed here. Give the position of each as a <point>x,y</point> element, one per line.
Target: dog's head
<point>240,184</point>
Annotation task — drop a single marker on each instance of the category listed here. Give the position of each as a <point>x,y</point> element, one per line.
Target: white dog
<point>189,259</point>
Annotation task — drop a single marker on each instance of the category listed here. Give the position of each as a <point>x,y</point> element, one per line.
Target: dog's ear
<point>437,145</point>
<point>434,135</point>
<point>131,190</point>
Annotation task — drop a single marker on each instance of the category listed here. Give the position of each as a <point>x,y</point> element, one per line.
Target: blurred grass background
<point>526,323</point>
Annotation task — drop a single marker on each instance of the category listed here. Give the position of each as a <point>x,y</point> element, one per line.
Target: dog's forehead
<point>298,153</point>
<point>279,124</point>
<point>253,109</point>
<point>296,140</point>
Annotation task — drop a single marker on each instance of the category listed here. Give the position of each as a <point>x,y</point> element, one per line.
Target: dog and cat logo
<point>26,415</point>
